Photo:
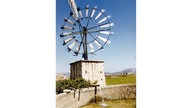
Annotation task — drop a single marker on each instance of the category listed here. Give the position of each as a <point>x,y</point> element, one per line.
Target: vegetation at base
<point>120,79</point>
<point>82,83</point>
<point>68,83</point>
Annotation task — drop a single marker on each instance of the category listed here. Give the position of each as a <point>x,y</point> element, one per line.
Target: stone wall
<point>69,100</point>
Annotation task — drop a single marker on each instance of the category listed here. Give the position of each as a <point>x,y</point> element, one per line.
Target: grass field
<point>120,79</point>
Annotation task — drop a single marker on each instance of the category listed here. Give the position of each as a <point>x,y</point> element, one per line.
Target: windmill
<point>86,30</point>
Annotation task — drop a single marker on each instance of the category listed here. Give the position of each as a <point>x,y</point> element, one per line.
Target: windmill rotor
<point>86,30</point>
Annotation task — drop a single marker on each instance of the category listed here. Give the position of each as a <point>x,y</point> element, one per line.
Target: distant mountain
<point>63,73</point>
<point>126,71</point>
<point>61,76</point>
<point>129,70</point>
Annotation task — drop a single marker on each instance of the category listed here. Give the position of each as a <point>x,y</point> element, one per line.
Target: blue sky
<point>118,55</point>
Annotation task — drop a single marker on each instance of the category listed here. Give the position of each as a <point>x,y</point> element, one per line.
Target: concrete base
<point>89,70</point>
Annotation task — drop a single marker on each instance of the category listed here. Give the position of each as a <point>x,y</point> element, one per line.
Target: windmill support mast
<point>85,54</point>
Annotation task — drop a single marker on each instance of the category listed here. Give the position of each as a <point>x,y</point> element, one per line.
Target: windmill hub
<point>84,30</point>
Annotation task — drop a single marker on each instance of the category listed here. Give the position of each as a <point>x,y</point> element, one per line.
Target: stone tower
<point>89,70</point>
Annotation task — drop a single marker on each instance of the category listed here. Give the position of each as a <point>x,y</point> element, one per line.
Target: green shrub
<point>67,84</point>
<point>59,87</point>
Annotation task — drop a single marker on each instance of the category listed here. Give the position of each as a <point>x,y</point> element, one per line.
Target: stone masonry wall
<point>69,100</point>
<point>89,70</point>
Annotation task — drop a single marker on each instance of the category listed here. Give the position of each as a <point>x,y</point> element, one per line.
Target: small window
<point>100,71</point>
<point>86,72</point>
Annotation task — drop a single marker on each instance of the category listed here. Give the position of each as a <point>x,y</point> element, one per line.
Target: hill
<point>61,76</point>
<point>125,71</point>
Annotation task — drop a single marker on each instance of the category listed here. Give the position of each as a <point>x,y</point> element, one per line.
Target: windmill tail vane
<point>73,7</point>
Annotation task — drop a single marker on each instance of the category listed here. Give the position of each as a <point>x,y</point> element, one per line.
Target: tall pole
<point>85,54</point>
